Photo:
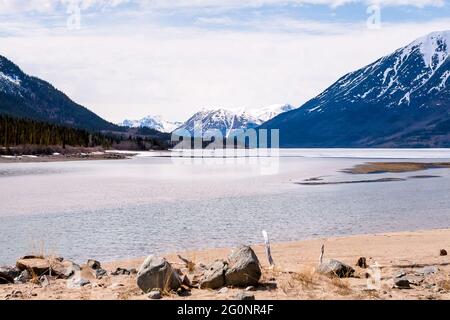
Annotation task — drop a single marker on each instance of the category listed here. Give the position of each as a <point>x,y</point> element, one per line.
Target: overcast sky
<point>131,58</point>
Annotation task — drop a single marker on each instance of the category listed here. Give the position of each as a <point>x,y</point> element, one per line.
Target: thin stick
<point>268,252</point>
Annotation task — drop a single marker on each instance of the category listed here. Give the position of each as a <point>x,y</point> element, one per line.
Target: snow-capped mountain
<point>25,96</point>
<point>402,99</point>
<point>152,122</point>
<point>226,120</point>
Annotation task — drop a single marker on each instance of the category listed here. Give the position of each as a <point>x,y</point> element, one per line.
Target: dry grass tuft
<point>343,286</point>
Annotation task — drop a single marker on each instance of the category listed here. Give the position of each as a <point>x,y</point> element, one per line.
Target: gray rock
<point>214,275</point>
<point>94,264</point>
<point>24,277</point>
<point>426,271</point>
<point>9,273</point>
<point>157,273</point>
<point>402,283</point>
<point>335,268</point>
<point>155,295</point>
<point>415,279</point>
<point>222,290</point>
<point>399,274</point>
<point>123,271</point>
<point>250,288</point>
<point>243,268</point>
<point>44,281</point>
<point>65,269</point>
<point>100,273</point>
<point>245,295</point>
<point>77,282</point>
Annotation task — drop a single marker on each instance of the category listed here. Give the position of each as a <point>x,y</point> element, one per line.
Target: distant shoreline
<point>66,157</point>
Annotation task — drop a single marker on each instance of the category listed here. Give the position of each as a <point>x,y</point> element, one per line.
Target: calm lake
<point>153,203</point>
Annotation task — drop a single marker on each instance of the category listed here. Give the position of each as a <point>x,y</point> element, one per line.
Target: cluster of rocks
<point>241,269</point>
<point>41,270</point>
<point>407,279</point>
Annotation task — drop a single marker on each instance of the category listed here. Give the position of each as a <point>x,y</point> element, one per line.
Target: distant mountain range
<point>401,100</point>
<point>152,122</point>
<point>213,118</point>
<point>25,96</point>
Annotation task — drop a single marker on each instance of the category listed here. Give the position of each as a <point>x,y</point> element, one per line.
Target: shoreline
<point>93,156</point>
<point>293,276</point>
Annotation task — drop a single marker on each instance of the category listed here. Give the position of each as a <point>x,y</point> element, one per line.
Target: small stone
<point>24,277</point>
<point>244,295</point>
<point>362,263</point>
<point>116,285</point>
<point>100,273</point>
<point>399,274</point>
<point>77,282</point>
<point>16,294</point>
<point>183,291</point>
<point>336,268</point>
<point>250,288</point>
<point>426,271</point>
<point>402,283</point>
<point>121,271</point>
<point>93,264</point>
<point>443,252</point>
<point>44,281</point>
<point>222,290</point>
<point>155,295</point>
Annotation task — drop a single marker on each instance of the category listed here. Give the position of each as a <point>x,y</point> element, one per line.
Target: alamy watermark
<point>74,15</point>
<point>374,20</point>
<point>255,147</point>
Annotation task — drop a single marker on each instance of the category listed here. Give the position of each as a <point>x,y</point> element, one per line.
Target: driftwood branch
<point>268,252</point>
<point>189,264</point>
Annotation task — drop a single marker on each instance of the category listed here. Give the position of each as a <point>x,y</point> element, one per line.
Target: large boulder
<point>36,266</point>
<point>157,273</point>
<point>335,268</point>
<point>243,268</point>
<point>214,275</point>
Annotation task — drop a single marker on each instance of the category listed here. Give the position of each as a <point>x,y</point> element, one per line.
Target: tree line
<point>18,131</point>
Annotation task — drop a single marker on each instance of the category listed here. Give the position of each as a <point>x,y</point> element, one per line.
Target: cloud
<point>175,71</point>
<point>46,6</point>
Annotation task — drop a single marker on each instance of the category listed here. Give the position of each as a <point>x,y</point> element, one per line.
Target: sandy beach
<point>294,275</point>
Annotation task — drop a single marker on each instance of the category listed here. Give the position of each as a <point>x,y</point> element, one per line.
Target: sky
<point>126,59</point>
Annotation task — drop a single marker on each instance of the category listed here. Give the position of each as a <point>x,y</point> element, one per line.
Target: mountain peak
<point>402,99</point>
<point>434,48</point>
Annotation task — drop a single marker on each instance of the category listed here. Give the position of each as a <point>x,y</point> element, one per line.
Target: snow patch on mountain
<point>226,120</point>
<point>13,79</point>
<point>153,122</point>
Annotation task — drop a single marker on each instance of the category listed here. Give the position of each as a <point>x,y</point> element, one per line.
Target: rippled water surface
<point>130,208</point>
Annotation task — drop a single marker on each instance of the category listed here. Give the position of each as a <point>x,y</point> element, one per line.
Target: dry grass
<point>342,286</point>
<point>445,284</point>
